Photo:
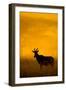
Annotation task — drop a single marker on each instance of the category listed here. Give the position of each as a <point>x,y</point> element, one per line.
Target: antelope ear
<point>32,51</point>
<point>34,56</point>
<point>38,50</point>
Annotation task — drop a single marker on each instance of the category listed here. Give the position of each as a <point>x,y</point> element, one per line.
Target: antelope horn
<point>33,49</point>
<point>37,49</point>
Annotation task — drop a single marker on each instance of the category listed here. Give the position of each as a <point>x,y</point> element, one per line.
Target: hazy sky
<point>38,30</point>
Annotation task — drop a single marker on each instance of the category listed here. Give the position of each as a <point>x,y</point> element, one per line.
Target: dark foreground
<point>31,68</point>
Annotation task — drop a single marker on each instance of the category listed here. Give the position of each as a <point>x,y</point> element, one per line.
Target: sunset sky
<point>38,30</point>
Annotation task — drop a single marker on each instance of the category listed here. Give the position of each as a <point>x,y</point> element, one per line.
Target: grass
<point>31,68</point>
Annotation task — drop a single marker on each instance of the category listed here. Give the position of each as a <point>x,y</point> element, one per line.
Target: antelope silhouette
<point>41,59</point>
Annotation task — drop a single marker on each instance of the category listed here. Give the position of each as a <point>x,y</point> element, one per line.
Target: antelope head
<point>35,51</point>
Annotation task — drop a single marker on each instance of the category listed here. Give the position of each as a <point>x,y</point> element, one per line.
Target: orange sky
<point>38,30</point>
